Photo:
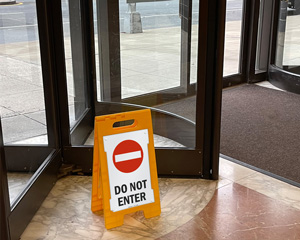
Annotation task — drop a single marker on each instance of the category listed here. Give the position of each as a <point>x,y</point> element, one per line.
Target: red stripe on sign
<point>128,156</point>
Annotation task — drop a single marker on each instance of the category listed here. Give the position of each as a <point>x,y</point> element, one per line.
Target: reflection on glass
<point>74,61</point>
<point>259,63</point>
<point>194,43</point>
<point>96,38</point>
<point>16,183</point>
<point>22,106</point>
<point>288,38</point>
<point>154,50</point>
<point>234,13</point>
<point>150,48</point>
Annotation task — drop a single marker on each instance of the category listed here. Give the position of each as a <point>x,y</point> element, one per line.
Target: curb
<point>7,2</point>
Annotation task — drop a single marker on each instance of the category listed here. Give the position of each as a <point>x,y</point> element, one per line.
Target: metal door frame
<point>208,104</point>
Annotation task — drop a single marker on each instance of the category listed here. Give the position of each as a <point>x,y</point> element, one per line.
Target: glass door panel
<point>150,42</point>
<point>194,44</point>
<point>22,104</point>
<point>97,51</point>
<point>233,33</point>
<point>155,60</point>
<point>75,66</point>
<point>145,54</point>
<point>287,51</point>
<point>147,63</point>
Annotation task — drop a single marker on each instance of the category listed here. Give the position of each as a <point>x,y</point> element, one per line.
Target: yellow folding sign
<point>124,167</point>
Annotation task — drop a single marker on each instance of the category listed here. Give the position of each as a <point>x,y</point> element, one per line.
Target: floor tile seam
<point>38,86</point>
<point>31,112</point>
<point>196,215</point>
<point>18,94</point>
<point>282,201</point>
<point>22,113</point>
<point>245,177</point>
<point>255,172</point>
<point>261,171</point>
<point>17,114</point>
<point>290,204</point>
<point>6,108</point>
<point>160,236</point>
<point>25,139</point>
<point>224,178</point>
<point>35,120</point>
<point>16,58</point>
<point>21,92</point>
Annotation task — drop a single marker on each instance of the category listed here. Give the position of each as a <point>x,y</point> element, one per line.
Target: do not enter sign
<point>124,167</point>
<point>128,156</point>
<point>128,169</point>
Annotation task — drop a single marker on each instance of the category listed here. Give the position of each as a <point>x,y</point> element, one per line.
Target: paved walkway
<point>150,61</point>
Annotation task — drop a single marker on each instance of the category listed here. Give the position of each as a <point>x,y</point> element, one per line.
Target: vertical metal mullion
<point>186,36</point>
<point>253,40</point>
<point>245,36</point>
<point>201,73</point>
<point>4,194</point>
<point>78,56</point>
<point>209,83</point>
<point>109,49</point>
<point>217,90</point>
<point>89,52</point>
<point>274,29</point>
<point>54,71</point>
<point>44,25</point>
<point>263,39</point>
<point>249,39</point>
<point>60,79</point>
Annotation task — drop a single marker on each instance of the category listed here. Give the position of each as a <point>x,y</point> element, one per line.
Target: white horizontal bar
<point>128,156</point>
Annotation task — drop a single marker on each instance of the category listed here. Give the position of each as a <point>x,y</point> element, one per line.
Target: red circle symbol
<point>128,156</point>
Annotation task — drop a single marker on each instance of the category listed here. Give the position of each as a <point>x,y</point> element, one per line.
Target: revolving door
<point>79,63</point>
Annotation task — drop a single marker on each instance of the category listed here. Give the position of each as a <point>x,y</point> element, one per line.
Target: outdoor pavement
<point>150,61</point>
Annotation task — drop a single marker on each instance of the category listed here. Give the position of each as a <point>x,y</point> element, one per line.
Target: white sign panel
<point>128,169</point>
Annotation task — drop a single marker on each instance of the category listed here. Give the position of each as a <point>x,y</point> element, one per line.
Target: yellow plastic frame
<point>100,185</point>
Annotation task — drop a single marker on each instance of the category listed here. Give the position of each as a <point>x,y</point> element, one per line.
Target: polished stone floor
<point>242,204</point>
<point>16,183</point>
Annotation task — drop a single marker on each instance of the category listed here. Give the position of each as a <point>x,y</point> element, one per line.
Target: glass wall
<point>233,31</point>
<point>22,105</point>
<point>150,46</point>
<point>76,77</point>
<point>288,37</point>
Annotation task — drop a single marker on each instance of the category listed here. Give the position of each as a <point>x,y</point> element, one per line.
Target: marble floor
<point>16,183</point>
<point>242,204</point>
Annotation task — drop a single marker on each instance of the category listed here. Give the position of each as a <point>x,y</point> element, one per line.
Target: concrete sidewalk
<point>150,61</point>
